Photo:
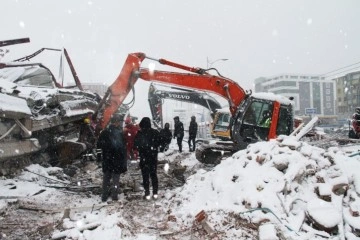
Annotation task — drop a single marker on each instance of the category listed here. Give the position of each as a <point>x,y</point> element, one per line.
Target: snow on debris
<point>13,104</point>
<point>29,182</point>
<point>300,184</point>
<point>287,189</point>
<point>272,97</point>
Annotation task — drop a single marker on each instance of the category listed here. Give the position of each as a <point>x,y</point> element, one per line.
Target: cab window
<point>284,126</point>
<point>258,113</point>
<point>223,122</point>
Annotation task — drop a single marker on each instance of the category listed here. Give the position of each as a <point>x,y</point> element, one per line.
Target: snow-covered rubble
<point>287,177</point>
<point>281,189</point>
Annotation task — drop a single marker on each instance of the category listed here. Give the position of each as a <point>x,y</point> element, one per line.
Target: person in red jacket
<point>355,131</point>
<point>130,131</point>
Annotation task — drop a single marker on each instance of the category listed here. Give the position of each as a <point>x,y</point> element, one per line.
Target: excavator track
<point>213,153</point>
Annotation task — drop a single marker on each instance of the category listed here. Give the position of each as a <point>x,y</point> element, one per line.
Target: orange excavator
<point>247,109</point>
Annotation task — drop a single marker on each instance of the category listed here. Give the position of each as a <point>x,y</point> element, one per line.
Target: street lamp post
<point>210,63</point>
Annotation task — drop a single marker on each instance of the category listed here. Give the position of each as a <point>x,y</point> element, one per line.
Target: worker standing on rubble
<point>87,135</point>
<point>130,132</point>
<point>114,162</point>
<point>165,137</point>
<point>192,133</point>
<point>179,132</point>
<point>147,141</point>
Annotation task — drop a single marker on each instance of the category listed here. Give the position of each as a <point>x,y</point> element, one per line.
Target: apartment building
<point>348,94</point>
<point>313,95</point>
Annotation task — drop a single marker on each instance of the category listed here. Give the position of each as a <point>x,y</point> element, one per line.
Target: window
<point>284,122</point>
<point>257,113</point>
<point>223,122</point>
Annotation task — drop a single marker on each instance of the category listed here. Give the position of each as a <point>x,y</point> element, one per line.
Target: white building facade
<point>313,95</point>
<point>99,88</point>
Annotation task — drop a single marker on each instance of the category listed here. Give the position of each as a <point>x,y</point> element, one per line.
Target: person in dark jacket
<point>147,141</point>
<point>165,137</point>
<point>178,132</point>
<point>114,162</point>
<point>192,133</point>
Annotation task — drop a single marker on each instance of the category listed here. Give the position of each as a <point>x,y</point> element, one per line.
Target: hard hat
<point>87,120</point>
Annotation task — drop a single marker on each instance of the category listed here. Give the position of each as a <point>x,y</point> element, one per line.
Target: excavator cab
<point>261,120</point>
<point>221,125</point>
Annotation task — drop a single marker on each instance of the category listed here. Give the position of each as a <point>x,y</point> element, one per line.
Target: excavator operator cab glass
<point>285,122</point>
<point>223,122</point>
<point>257,120</point>
<point>258,113</point>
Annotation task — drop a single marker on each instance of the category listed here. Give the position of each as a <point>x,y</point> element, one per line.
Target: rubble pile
<point>281,189</point>
<point>57,200</point>
<point>39,119</point>
<point>303,192</point>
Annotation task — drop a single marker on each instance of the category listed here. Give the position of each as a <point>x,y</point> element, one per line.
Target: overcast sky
<point>260,38</point>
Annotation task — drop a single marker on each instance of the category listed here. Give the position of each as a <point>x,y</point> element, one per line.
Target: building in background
<point>348,95</point>
<point>313,95</point>
<point>99,88</point>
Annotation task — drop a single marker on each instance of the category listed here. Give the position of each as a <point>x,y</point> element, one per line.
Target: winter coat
<point>356,123</point>
<point>193,129</point>
<point>179,130</point>
<point>165,136</point>
<point>87,135</point>
<point>111,142</point>
<point>266,123</point>
<point>147,141</point>
<point>130,132</point>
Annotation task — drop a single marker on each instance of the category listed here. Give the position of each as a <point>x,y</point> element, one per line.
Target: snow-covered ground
<point>282,189</point>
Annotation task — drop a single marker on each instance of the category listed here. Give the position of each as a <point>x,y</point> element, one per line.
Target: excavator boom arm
<point>226,88</point>
<point>121,87</point>
<point>198,79</point>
